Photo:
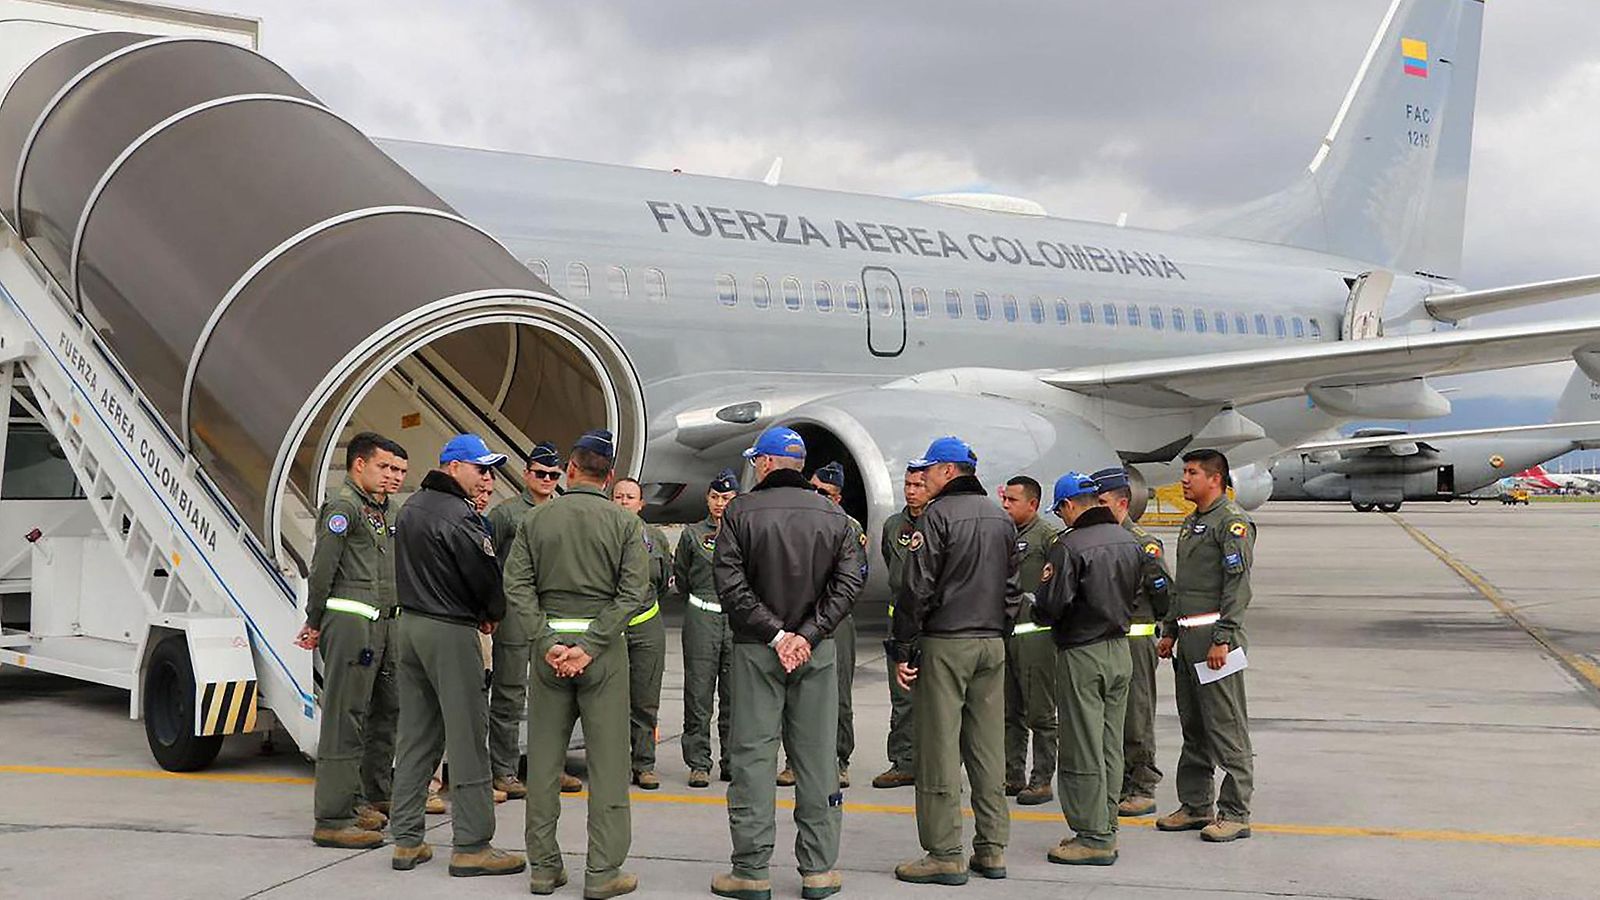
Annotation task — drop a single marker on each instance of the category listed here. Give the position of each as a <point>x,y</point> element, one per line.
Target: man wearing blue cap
<point>1140,773</point>
<point>788,568</point>
<point>960,597</point>
<point>707,640</point>
<point>508,688</point>
<point>448,583</point>
<point>578,571</point>
<point>1086,595</point>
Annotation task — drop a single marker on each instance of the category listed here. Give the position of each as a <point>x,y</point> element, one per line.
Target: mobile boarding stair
<point>208,281</point>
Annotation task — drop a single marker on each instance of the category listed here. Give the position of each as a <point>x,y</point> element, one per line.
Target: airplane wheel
<point>1362,507</point>
<point>1471,502</point>
<point>169,710</point>
<point>1388,507</point>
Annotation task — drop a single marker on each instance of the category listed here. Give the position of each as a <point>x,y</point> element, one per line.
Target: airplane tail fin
<point>1388,185</point>
<point>1580,402</point>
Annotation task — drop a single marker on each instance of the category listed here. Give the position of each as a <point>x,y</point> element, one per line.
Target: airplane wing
<point>1250,376</point>
<point>1579,432</point>
<point>1455,307</point>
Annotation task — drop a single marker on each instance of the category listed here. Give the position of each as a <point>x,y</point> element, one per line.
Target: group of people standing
<point>569,586</point>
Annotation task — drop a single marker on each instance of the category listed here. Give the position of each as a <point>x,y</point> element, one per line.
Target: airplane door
<point>1447,481</point>
<point>886,311</point>
<point>1363,312</point>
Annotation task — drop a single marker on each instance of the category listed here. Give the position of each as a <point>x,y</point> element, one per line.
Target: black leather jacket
<point>787,559</point>
<point>961,569</point>
<point>444,558</point>
<point>1094,574</point>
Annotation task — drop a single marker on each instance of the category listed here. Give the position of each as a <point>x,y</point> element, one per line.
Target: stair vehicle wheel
<point>169,693</point>
<point>1362,507</point>
<point>1388,507</point>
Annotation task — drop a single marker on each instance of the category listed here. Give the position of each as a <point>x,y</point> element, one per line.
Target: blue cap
<point>726,482</point>
<point>598,441</point>
<point>1074,484</point>
<point>1111,479</point>
<point>950,449</point>
<point>545,453</point>
<point>832,473</point>
<point>778,441</point>
<point>469,448</point>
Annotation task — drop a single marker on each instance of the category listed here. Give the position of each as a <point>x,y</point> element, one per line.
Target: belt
<point>354,607</point>
<point>1142,629</point>
<point>1199,619</point>
<point>706,605</point>
<point>647,615</point>
<point>569,626</point>
<point>1029,628</point>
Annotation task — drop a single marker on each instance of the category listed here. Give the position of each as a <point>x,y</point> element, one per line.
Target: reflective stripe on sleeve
<point>353,607</point>
<point>569,626</point>
<point>706,605</point>
<point>1195,621</point>
<point>647,615</point>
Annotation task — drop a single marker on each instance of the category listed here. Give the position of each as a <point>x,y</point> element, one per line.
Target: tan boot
<point>929,870</point>
<point>621,883</point>
<point>988,864</point>
<point>546,882</point>
<point>730,885</point>
<point>1074,853</point>
<point>511,787</point>
<point>893,778</point>
<point>1035,795</point>
<point>1184,819</point>
<point>570,784</point>
<point>786,777</point>
<point>1136,806</point>
<point>1222,831</point>
<point>498,795</point>
<point>488,861</point>
<point>381,806</point>
<point>347,838</point>
<point>435,805</point>
<point>1014,788</point>
<point>408,858</point>
<point>370,819</point>
<point>822,884</point>
<point>699,779</point>
<point>647,781</point>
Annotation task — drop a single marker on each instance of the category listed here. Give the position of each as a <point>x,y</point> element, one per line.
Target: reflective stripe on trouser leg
<point>346,691</point>
<point>1141,774</point>
<point>960,719</point>
<point>647,658</point>
<point>1093,690</point>
<point>383,715</point>
<point>508,703</point>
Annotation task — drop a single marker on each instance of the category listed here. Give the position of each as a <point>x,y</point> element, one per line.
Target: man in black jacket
<point>1086,594</point>
<point>788,568</point>
<point>960,598</point>
<point>448,584</point>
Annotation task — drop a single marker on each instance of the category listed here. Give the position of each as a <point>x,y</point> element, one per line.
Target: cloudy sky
<point>1165,109</point>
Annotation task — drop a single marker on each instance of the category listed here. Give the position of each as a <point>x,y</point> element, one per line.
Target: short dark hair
<point>632,481</point>
<point>394,447</point>
<point>1125,493</point>
<point>1212,461</point>
<point>590,463</point>
<point>1030,488</point>
<point>364,446</point>
<point>966,468</point>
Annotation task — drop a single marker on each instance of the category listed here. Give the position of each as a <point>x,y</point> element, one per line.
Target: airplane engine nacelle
<point>1252,485</point>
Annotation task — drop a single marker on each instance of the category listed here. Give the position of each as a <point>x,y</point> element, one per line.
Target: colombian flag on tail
<point>1414,56</point>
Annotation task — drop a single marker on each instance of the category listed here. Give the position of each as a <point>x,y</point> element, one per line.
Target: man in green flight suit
<point>578,569</point>
<point>350,601</point>
<point>895,546</point>
<point>647,642</point>
<point>1216,546</point>
<point>1140,773</point>
<point>1030,656</point>
<point>707,641</point>
<point>508,685</point>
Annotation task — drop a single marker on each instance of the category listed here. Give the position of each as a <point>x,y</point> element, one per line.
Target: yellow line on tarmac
<point>1580,666</point>
<point>1020,815</point>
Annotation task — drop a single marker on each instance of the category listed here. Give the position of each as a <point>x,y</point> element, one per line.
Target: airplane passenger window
<point>952,304</point>
<point>1133,316</point>
<point>1177,320</point>
<point>852,298</point>
<point>727,290</point>
<point>1239,324</point>
<point>1063,312</point>
<point>1110,310</point>
<point>655,286</point>
<point>1299,328</point>
<point>919,303</point>
<point>1261,324</point>
<point>1278,327</point>
<point>1086,313</point>
<point>822,296</point>
<point>539,269</point>
<point>1199,321</point>
<point>1222,323</point>
<point>578,281</point>
<point>980,305</point>
<point>1036,309</point>
<point>617,282</point>
<point>1008,305</point>
<point>791,294</point>
<point>1155,318</point>
<point>1316,330</point>
<point>761,292</point>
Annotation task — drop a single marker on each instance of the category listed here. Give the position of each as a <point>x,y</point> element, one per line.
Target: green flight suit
<point>578,570</point>
<point>647,654</point>
<point>509,654</point>
<point>350,600</point>
<point>707,647</point>
<point>895,546</point>
<point>1031,670</point>
<point>1215,549</point>
<point>1140,773</point>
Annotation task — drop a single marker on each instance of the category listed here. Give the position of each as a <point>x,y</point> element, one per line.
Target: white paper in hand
<point>1235,663</point>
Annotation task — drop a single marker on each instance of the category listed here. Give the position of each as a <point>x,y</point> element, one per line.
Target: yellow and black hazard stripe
<point>227,707</point>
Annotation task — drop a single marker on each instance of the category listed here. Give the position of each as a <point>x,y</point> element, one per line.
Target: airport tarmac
<point>1426,715</point>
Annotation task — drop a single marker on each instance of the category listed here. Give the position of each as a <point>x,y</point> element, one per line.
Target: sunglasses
<point>547,476</point>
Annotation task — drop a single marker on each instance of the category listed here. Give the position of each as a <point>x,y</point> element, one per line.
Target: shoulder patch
<point>709,542</point>
<point>1238,529</point>
<point>338,523</point>
<point>488,545</point>
<point>915,543</point>
<point>1047,573</point>
<point>1152,550</point>
<point>863,537</point>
